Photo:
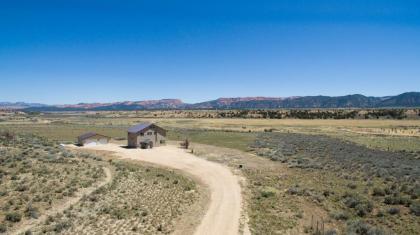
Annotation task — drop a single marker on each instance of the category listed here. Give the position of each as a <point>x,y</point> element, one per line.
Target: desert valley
<point>247,175</point>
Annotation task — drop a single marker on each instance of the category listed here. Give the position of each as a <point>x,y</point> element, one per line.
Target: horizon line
<point>236,97</point>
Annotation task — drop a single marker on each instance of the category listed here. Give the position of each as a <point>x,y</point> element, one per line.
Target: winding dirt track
<point>27,225</point>
<point>224,210</point>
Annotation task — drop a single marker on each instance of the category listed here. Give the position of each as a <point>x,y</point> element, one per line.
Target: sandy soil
<point>224,209</point>
<point>27,225</point>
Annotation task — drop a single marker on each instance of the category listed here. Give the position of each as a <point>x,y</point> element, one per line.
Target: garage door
<point>90,143</point>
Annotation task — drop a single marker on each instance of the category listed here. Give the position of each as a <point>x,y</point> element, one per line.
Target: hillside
<point>405,100</point>
<point>20,105</point>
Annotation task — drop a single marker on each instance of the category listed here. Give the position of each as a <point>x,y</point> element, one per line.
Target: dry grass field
<point>38,175</point>
<point>140,200</point>
<point>385,134</point>
<point>351,182</point>
<point>304,186</point>
<point>39,178</point>
<point>302,176</point>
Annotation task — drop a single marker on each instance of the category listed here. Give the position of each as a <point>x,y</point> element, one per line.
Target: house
<point>92,138</point>
<point>146,135</point>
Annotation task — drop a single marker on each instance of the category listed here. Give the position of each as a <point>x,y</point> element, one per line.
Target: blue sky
<point>98,51</point>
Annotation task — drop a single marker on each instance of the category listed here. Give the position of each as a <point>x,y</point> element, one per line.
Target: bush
<point>31,211</point>
<point>351,185</point>
<point>380,213</point>
<point>13,217</point>
<point>363,209</point>
<point>361,228</point>
<point>415,192</point>
<point>268,192</point>
<point>331,232</point>
<point>295,191</point>
<point>415,208</point>
<point>397,200</point>
<point>340,215</point>
<point>63,225</point>
<point>378,192</point>
<point>3,228</point>
<point>394,210</point>
<point>351,201</point>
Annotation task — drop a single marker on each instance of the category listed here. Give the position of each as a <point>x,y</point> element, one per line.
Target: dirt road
<point>224,210</point>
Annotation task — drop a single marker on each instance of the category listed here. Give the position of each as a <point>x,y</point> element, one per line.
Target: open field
<point>37,175</point>
<point>140,200</point>
<point>352,182</point>
<point>48,189</point>
<point>334,175</point>
<point>298,193</point>
<point>392,113</point>
<point>385,134</point>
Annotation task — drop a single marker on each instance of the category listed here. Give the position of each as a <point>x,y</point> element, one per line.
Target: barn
<point>146,135</point>
<point>92,138</point>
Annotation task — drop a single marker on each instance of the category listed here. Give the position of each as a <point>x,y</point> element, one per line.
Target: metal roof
<point>90,134</point>
<point>139,127</point>
<point>87,135</point>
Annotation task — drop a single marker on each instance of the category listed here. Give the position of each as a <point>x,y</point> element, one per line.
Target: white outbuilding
<point>92,138</point>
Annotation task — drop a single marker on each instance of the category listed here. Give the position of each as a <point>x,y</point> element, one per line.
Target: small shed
<point>92,138</point>
<point>146,135</point>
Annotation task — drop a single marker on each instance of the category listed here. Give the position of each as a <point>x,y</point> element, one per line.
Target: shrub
<point>394,210</point>
<point>3,193</point>
<point>361,205</point>
<point>361,228</point>
<point>340,215</point>
<point>295,191</point>
<point>331,232</point>
<point>378,192</point>
<point>21,188</point>
<point>13,217</point>
<point>3,228</point>
<point>380,214</point>
<point>397,200</point>
<point>119,213</point>
<point>268,192</point>
<point>63,225</point>
<point>351,200</point>
<point>363,209</point>
<point>415,192</point>
<point>415,208</point>
<point>351,185</point>
<point>31,211</point>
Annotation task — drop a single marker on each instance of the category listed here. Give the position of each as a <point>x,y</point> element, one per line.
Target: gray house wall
<point>149,135</point>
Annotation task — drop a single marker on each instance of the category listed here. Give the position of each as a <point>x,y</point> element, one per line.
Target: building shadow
<point>126,147</point>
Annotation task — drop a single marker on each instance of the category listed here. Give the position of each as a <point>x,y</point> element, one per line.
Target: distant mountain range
<point>20,105</point>
<point>405,100</point>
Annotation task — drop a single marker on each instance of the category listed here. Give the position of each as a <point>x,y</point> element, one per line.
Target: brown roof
<point>143,127</point>
<point>90,134</point>
<point>139,127</point>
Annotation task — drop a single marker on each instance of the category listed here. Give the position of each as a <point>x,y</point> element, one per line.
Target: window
<point>149,133</point>
<point>141,134</point>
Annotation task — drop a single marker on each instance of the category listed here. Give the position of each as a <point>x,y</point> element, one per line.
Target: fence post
<point>312,222</point>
